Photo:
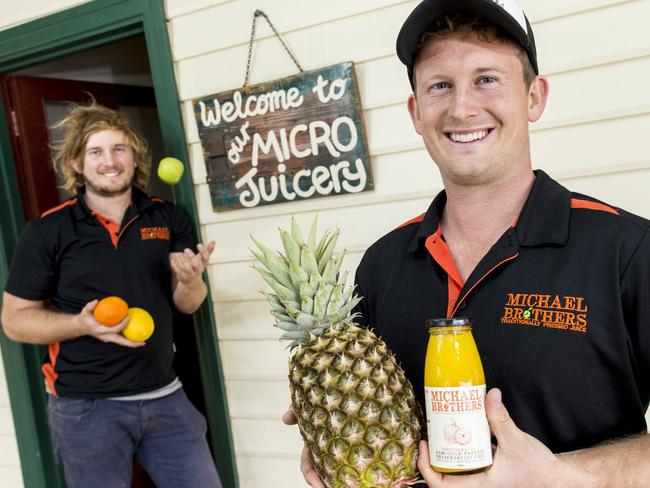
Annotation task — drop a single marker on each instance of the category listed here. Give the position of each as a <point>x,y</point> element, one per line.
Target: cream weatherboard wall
<point>595,52</point>
<point>14,13</point>
<point>597,56</point>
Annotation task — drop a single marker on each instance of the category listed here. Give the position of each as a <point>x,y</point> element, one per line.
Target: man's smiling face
<point>472,107</point>
<point>109,166</point>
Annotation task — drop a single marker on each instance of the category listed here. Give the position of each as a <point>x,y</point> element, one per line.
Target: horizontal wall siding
<point>260,471</point>
<point>195,32</point>
<point>588,38</point>
<point>596,54</point>
<point>320,45</point>
<point>590,148</point>
<point>177,8</point>
<point>14,13</point>
<point>539,11</point>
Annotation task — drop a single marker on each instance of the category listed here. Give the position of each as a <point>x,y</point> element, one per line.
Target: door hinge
<point>14,122</point>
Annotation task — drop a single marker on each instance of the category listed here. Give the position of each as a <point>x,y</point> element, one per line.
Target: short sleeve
<point>635,286</point>
<point>182,231</point>
<point>33,271</point>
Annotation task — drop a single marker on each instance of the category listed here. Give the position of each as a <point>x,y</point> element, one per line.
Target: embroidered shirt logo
<point>154,233</point>
<point>564,312</point>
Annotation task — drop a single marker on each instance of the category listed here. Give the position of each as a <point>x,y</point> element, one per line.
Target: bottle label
<point>459,434</point>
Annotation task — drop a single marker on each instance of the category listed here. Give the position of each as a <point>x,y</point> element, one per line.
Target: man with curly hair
<point>111,399</point>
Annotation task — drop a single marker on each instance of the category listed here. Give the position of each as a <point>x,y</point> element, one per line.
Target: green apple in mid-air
<point>170,170</point>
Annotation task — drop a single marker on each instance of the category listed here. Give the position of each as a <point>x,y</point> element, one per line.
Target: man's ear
<point>414,112</point>
<point>537,96</point>
<point>76,166</point>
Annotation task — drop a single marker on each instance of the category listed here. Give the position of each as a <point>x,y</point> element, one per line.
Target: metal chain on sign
<point>252,40</point>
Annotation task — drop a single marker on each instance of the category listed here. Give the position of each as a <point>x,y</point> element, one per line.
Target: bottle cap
<point>452,322</point>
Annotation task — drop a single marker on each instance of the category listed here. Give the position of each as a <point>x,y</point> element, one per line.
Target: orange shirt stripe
<point>48,368</point>
<point>414,220</point>
<point>438,249</point>
<point>59,207</point>
<point>112,227</point>
<point>577,203</point>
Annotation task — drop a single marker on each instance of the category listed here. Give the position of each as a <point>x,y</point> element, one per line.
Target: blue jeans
<point>97,440</point>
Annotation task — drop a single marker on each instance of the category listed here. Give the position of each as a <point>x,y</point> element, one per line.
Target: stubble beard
<point>109,192</point>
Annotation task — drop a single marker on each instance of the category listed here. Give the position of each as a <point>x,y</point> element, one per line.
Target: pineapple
<point>355,409</point>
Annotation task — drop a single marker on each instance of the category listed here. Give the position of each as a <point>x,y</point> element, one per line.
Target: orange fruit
<point>140,326</point>
<point>110,311</point>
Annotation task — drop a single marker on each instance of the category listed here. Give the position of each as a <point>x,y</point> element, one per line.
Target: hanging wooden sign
<point>285,140</point>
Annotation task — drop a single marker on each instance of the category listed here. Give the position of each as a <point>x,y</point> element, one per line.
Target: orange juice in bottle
<point>454,391</point>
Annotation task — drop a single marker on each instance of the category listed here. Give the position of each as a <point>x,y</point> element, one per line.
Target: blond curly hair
<point>84,121</point>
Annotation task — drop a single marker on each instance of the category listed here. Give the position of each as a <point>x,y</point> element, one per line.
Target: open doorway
<point>38,97</point>
<point>115,47</point>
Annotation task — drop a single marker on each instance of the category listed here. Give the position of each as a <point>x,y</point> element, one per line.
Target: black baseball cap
<point>505,14</point>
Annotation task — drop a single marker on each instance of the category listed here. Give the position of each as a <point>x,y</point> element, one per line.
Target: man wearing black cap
<point>557,283</point>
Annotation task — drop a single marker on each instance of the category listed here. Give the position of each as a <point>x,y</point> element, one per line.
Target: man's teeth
<point>468,137</point>
<point>111,174</point>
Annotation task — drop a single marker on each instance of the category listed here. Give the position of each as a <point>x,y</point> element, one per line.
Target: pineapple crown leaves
<point>309,291</point>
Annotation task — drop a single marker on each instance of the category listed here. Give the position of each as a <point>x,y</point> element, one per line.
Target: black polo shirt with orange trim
<point>560,308</point>
<point>72,256</point>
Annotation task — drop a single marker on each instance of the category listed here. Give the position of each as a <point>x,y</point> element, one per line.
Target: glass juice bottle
<point>454,390</point>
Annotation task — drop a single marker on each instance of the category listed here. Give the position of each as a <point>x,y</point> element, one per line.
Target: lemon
<point>140,326</point>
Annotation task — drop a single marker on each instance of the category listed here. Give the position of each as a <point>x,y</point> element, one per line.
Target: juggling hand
<point>188,265</point>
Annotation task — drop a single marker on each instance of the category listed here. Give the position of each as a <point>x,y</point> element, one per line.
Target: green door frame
<point>90,25</point>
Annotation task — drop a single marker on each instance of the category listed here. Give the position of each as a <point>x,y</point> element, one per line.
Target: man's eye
<point>486,79</point>
<point>440,86</point>
<point>94,152</point>
<point>120,149</point>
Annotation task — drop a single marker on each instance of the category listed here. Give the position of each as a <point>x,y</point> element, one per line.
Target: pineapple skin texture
<point>356,411</point>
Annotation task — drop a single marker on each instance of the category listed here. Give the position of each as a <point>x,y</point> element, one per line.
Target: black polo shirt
<point>560,308</point>
<point>72,256</point>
